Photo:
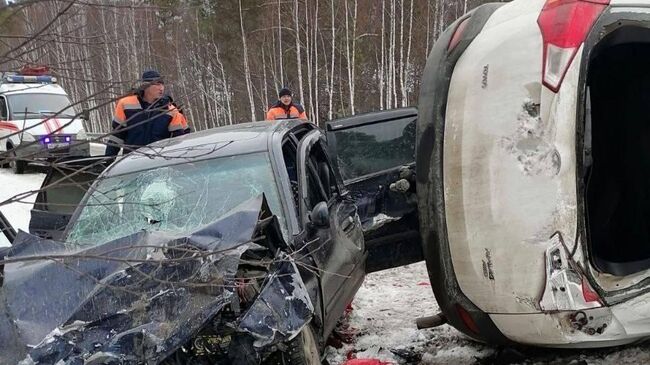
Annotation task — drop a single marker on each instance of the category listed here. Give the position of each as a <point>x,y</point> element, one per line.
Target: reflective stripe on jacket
<point>280,111</point>
<point>137,123</point>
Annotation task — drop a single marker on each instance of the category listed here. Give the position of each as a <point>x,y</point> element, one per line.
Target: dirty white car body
<point>504,162</point>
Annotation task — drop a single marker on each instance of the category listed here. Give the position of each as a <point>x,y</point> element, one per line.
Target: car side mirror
<point>320,215</point>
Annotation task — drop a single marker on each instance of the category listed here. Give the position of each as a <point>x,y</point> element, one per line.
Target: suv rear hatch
<point>64,186</point>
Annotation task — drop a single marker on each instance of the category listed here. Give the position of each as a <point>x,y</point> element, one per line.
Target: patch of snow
<point>160,293</point>
<point>384,314</point>
<point>18,213</point>
<point>97,149</point>
<point>378,221</point>
<point>28,361</point>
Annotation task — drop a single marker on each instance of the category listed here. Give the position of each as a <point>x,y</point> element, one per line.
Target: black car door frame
<point>339,250</point>
<point>375,154</point>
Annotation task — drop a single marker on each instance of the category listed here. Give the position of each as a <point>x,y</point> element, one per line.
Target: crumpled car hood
<point>139,298</point>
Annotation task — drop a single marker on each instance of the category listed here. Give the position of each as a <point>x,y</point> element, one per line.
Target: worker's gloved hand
<point>407,172</point>
<point>400,186</point>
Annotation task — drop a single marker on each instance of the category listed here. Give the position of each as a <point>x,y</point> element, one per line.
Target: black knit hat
<point>284,92</point>
<point>151,76</point>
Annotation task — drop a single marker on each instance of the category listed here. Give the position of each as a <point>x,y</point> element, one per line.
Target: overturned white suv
<point>37,121</point>
<point>533,168</point>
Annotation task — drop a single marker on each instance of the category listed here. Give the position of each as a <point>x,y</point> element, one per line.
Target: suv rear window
<point>375,147</point>
<point>64,189</point>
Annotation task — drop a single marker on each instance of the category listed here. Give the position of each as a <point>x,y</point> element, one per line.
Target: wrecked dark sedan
<point>237,245</point>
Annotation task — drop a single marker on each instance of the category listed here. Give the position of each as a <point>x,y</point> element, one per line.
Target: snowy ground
<point>10,185</point>
<point>384,313</point>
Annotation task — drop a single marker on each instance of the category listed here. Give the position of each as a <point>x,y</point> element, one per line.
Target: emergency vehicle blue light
<point>22,79</point>
<point>46,140</point>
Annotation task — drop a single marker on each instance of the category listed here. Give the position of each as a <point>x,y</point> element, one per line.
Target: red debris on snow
<point>344,333</point>
<point>424,283</point>
<point>365,362</point>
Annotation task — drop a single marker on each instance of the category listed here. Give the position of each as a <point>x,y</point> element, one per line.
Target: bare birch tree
<point>247,71</point>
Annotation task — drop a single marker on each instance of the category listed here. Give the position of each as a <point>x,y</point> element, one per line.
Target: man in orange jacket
<point>285,108</point>
<point>146,116</point>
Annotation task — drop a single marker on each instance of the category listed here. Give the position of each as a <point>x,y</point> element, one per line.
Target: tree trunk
<point>247,71</point>
<point>280,50</point>
<point>330,112</point>
<point>298,51</point>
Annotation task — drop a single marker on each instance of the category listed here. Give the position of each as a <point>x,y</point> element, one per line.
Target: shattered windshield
<point>176,199</point>
<point>25,106</point>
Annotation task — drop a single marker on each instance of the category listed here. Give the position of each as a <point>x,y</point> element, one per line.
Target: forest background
<point>224,61</point>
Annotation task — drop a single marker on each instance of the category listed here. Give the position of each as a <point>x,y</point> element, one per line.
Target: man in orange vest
<point>285,108</point>
<point>146,116</point>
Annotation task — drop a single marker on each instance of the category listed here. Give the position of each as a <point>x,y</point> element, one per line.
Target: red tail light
<point>588,293</point>
<point>458,33</point>
<point>565,25</point>
<point>467,319</point>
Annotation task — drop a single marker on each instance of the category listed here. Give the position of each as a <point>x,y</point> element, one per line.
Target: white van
<point>37,122</point>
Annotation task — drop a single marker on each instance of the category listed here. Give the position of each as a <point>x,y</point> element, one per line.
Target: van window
<point>3,108</point>
<point>25,106</point>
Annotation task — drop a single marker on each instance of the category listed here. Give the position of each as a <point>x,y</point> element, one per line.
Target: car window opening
<point>3,108</point>
<point>375,147</point>
<point>290,155</point>
<point>617,155</point>
<point>320,177</point>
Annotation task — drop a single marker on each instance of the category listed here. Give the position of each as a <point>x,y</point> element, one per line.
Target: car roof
<point>31,88</point>
<point>237,139</point>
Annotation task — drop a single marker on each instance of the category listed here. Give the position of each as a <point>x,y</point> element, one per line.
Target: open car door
<point>63,188</point>
<point>375,155</point>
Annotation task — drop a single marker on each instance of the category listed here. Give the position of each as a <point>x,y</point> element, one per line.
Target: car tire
<point>17,166</point>
<point>302,350</point>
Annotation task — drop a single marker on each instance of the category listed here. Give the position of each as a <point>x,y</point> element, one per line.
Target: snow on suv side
<point>533,170</point>
<point>37,121</point>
